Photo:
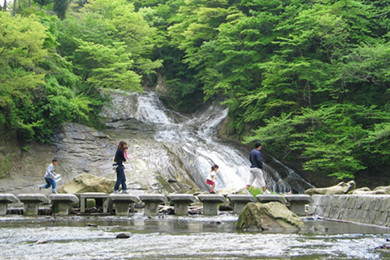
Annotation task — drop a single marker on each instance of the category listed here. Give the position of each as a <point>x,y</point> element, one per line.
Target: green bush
<point>5,167</point>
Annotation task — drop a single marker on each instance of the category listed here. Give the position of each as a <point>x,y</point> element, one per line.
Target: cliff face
<point>23,168</point>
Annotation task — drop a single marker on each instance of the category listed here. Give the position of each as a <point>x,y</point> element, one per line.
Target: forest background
<point>309,78</point>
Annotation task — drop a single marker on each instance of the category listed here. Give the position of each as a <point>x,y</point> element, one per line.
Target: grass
<point>257,190</point>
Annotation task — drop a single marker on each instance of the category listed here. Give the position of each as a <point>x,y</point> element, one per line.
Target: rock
<point>88,183</point>
<point>382,190</point>
<point>378,190</point>
<point>364,190</point>
<point>272,215</point>
<point>341,188</point>
<point>41,242</point>
<point>319,228</point>
<point>122,235</point>
<point>385,248</point>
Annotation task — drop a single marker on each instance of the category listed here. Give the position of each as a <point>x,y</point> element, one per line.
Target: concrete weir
<point>365,209</point>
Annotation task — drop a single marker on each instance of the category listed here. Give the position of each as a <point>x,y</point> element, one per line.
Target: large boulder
<point>88,183</point>
<point>341,188</point>
<point>273,215</point>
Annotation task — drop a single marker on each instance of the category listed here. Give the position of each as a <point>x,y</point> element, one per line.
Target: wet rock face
<point>341,188</point>
<point>81,149</point>
<point>268,216</point>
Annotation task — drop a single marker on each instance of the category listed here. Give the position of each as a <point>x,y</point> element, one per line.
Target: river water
<point>171,237</point>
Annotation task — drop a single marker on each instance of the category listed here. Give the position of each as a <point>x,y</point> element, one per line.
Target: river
<point>170,237</point>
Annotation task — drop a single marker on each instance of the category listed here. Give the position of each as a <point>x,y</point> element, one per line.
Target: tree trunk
<point>29,3</point>
<point>14,11</point>
<point>5,5</point>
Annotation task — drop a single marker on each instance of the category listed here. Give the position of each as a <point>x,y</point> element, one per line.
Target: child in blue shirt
<point>49,177</point>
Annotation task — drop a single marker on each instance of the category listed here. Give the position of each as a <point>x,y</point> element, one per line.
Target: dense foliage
<point>310,78</point>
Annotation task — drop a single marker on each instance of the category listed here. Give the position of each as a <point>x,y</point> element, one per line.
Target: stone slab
<point>212,198</point>
<point>71,198</point>
<point>8,198</point>
<point>300,198</point>
<point>239,201</point>
<point>265,198</point>
<point>153,198</point>
<point>124,197</point>
<point>189,198</point>
<point>30,197</point>
<point>5,199</point>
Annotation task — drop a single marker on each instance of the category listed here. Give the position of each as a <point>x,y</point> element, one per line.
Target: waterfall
<point>166,144</point>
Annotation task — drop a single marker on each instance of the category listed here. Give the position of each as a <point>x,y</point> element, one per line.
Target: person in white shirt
<point>212,177</point>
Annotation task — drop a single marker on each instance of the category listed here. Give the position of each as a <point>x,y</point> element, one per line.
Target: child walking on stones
<point>49,177</point>
<point>212,177</point>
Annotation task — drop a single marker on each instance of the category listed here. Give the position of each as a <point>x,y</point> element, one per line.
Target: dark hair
<point>124,148</point>
<point>121,145</point>
<point>54,160</point>
<point>257,144</point>
<point>214,166</point>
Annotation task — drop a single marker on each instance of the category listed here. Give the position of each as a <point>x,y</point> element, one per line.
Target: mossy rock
<point>273,215</point>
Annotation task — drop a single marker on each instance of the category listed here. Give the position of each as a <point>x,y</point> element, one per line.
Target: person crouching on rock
<point>120,173</point>
<point>212,177</point>
<point>49,177</point>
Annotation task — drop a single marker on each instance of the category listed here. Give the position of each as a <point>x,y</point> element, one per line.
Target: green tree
<point>21,52</point>
<point>60,7</point>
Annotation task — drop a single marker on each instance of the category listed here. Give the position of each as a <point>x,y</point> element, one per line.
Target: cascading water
<point>168,145</point>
